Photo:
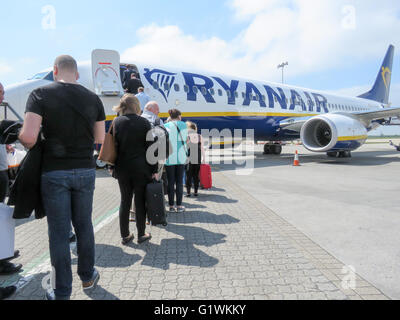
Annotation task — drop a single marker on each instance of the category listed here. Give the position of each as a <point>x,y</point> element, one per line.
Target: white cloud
<point>311,35</point>
<point>4,68</point>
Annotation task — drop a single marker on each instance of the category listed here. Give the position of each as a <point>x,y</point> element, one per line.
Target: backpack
<point>162,141</point>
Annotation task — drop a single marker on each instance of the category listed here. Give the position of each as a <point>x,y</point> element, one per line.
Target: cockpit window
<point>49,76</point>
<point>43,76</point>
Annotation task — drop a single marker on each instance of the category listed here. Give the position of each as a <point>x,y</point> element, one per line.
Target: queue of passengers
<point>67,168</point>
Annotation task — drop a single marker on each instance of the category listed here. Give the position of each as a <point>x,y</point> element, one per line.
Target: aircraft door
<point>106,73</point>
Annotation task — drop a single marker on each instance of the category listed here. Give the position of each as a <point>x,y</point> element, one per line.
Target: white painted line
<point>45,267</point>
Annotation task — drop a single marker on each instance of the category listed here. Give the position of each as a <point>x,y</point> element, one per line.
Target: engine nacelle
<point>333,132</point>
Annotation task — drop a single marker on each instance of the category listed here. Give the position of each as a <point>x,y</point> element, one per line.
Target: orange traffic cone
<point>296,162</point>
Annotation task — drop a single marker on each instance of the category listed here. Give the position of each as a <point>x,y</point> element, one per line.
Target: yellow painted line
<point>226,143</point>
<point>230,114</point>
<point>236,114</point>
<point>353,138</point>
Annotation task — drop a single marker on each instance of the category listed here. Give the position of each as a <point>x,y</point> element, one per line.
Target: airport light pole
<point>282,66</point>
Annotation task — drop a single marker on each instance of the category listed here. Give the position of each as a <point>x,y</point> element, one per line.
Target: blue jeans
<point>68,196</point>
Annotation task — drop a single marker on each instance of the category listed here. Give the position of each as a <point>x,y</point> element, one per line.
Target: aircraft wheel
<point>345,154</point>
<point>332,154</point>
<point>276,149</point>
<point>267,149</point>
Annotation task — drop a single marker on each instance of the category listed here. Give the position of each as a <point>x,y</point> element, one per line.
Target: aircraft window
<point>276,99</point>
<point>236,94</point>
<point>220,92</point>
<point>156,85</point>
<point>204,90</point>
<point>167,86</point>
<point>43,76</point>
<point>263,98</point>
<point>49,77</point>
<point>195,89</point>
<point>176,87</point>
<point>243,95</point>
<point>212,91</point>
<point>186,88</point>
<point>228,93</point>
<point>257,97</point>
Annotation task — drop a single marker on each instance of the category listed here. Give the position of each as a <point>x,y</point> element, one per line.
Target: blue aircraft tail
<point>381,89</point>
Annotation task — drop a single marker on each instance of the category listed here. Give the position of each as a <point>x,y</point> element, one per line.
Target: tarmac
<point>327,230</point>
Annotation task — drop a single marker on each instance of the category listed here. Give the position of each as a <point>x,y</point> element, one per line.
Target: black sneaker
<point>7,292</point>
<point>127,240</point>
<point>144,238</point>
<point>16,255</point>
<point>7,268</point>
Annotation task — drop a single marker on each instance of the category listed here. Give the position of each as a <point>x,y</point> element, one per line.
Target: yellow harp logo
<point>386,76</point>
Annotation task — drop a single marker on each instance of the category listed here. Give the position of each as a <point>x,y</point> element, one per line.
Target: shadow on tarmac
<point>108,256</point>
<point>181,251</point>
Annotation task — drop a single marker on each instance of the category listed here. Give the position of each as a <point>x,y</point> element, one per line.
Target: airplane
<point>324,122</point>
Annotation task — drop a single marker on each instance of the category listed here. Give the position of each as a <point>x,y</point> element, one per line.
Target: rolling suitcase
<point>205,176</point>
<point>155,202</point>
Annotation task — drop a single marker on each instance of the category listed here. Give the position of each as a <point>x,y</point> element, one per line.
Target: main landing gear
<point>339,154</point>
<point>273,148</point>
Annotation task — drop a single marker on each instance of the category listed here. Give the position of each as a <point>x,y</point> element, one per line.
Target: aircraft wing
<point>295,124</point>
<point>385,113</point>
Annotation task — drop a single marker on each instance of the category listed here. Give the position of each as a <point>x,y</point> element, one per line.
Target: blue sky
<point>246,38</point>
<point>82,26</point>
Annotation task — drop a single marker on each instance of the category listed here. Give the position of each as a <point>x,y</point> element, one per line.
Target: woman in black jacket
<point>131,168</point>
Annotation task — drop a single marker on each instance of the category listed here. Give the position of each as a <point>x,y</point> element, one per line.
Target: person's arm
<point>100,124</point>
<point>154,168</point>
<point>99,132</point>
<point>30,130</point>
<point>203,152</point>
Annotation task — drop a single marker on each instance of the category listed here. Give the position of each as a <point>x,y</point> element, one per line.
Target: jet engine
<point>333,132</point>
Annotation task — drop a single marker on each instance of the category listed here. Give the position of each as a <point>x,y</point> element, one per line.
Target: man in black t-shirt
<point>133,84</point>
<point>72,120</point>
